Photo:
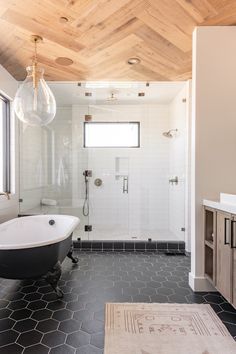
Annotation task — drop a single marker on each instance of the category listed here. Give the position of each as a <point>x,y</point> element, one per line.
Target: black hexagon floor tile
<point>89,349</point>
<point>6,323</point>
<point>62,315</point>
<point>8,337</point>
<point>62,349</point>
<point>12,349</point>
<point>78,339</point>
<point>69,326</point>
<point>25,325</point>
<point>5,313</point>
<point>47,325</point>
<point>97,340</point>
<point>41,315</point>
<point>37,348</point>
<point>21,314</point>
<point>32,296</point>
<point>37,305</point>
<point>33,320</point>
<point>92,326</point>
<point>29,338</point>
<point>54,338</point>
<point>56,305</point>
<point>18,304</point>
<point>3,304</point>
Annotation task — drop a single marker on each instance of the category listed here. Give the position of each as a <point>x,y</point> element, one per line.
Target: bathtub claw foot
<point>52,277</point>
<point>70,255</point>
<point>59,293</point>
<point>75,260</point>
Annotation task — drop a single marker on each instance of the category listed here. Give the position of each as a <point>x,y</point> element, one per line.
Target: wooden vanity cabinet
<point>233,246</point>
<point>220,251</point>
<point>224,267</point>
<point>210,244</point>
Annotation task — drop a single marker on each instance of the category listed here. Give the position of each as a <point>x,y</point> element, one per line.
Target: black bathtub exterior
<point>33,262</point>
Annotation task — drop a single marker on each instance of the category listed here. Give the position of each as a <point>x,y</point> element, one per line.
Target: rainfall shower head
<point>170,133</point>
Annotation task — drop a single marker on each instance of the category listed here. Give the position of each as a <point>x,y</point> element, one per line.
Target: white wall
<point>9,208</point>
<point>214,130</point>
<point>177,163</point>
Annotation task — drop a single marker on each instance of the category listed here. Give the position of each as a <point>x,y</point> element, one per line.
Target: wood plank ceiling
<point>100,35</point>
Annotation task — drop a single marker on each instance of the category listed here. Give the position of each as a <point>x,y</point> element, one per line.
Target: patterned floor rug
<point>139,328</point>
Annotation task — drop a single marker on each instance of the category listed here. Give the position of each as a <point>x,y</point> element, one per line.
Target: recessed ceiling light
<point>133,61</point>
<point>63,19</point>
<point>64,61</point>
<point>112,97</point>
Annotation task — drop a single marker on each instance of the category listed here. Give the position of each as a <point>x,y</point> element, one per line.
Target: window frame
<point>112,147</point>
<point>6,144</point>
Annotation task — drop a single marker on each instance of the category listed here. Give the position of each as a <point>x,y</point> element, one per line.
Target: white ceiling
<point>68,93</point>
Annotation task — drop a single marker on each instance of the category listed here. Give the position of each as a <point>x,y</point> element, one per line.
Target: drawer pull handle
<point>225,234</point>
<point>233,242</point>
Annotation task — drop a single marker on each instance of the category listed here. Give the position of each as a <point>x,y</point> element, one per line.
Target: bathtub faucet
<point>7,195</point>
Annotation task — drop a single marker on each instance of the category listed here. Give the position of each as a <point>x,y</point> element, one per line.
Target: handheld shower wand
<point>86,174</point>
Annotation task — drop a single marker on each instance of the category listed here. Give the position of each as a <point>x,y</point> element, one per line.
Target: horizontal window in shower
<point>111,134</point>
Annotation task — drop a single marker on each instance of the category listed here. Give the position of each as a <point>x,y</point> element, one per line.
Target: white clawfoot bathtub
<point>35,246</point>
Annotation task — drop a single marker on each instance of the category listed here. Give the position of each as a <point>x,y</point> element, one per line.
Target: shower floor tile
<point>32,320</point>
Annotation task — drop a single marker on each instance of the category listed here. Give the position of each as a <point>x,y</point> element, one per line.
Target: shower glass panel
<point>108,193</point>
<point>109,196</point>
<point>51,169</point>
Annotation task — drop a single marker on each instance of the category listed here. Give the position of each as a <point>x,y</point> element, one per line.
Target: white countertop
<point>229,208</point>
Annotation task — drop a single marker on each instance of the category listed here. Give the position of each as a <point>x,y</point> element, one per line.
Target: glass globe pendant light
<point>34,102</point>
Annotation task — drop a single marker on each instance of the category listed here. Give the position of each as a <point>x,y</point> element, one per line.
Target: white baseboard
<point>200,283</point>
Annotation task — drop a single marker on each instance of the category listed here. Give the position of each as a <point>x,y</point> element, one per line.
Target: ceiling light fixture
<point>34,102</point>
<point>64,61</point>
<point>133,61</point>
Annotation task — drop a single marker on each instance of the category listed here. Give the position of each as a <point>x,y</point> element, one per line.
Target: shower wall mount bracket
<point>174,180</point>
<point>88,228</point>
<point>88,173</point>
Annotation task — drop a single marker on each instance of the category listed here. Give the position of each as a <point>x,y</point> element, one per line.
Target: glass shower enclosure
<point>111,168</point>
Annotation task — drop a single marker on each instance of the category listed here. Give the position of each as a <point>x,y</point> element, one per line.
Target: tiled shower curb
<point>131,246</point>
